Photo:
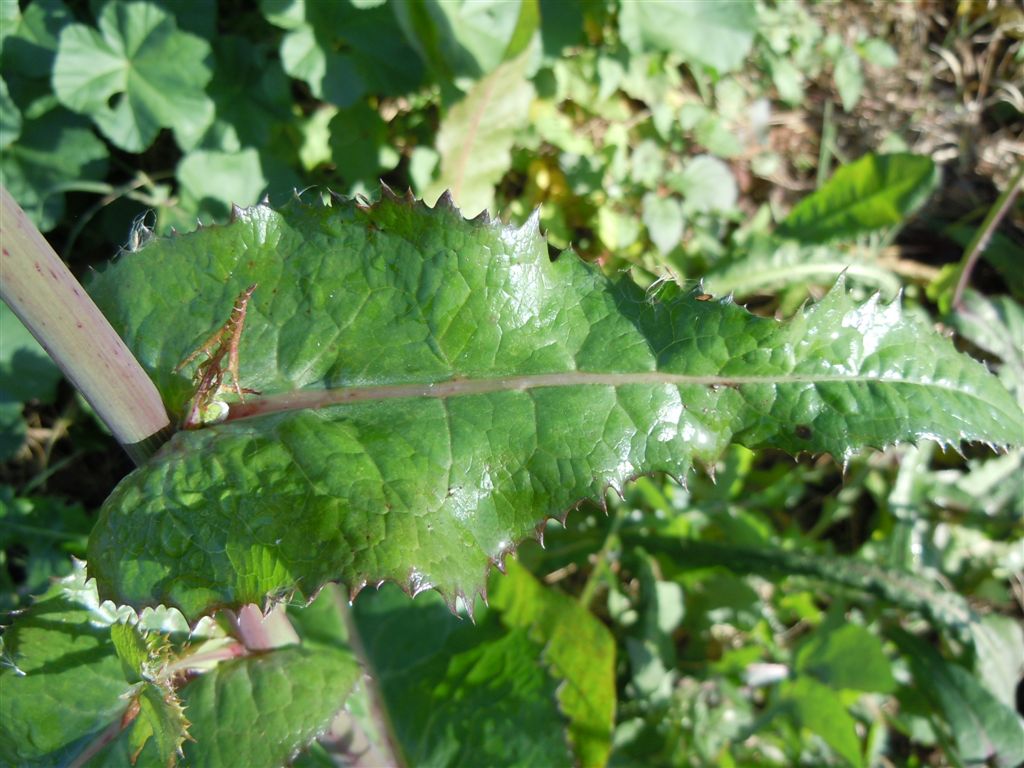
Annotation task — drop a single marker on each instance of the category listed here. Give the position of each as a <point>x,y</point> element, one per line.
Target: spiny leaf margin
<point>471,389</point>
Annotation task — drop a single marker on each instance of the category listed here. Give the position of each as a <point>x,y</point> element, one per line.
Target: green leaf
<point>663,217</point>
<point>647,163</point>
<point>36,550</point>
<point>849,78</point>
<point>995,325</point>
<point>359,144</point>
<point>343,51</point>
<point>947,609</point>
<point>54,152</point>
<point>10,118</point>
<point>70,681</point>
<point>330,76</point>
<point>1001,252</point>
<point>999,644</point>
<point>316,137</point>
<point>152,72</point>
<point>30,38</point>
<point>984,729</point>
<point>476,136</point>
<point>159,724</point>
<point>260,710</point>
<point>26,371</point>
<point>771,263</point>
<point>563,25</point>
<point>433,389</point>
<point>458,694</point>
<point>213,181</point>
<point>467,38</point>
<point>846,657</point>
<point>788,80</point>
<point>707,186</point>
<point>869,194</point>
<point>131,649</point>
<point>878,52</point>
<point>579,652</point>
<point>60,681</point>
<point>716,35</point>
<point>617,229</point>
<point>13,432</point>
<point>713,133</point>
<point>819,709</point>
<point>250,96</point>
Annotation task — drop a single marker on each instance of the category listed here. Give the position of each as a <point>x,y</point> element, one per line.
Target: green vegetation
<point>749,227</point>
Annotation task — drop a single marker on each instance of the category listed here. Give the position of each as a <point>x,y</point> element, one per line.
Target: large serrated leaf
<point>433,389</point>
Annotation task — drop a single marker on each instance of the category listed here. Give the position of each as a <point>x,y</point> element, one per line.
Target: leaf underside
<point>433,389</point>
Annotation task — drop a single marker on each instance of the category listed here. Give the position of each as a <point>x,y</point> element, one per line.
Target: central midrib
<point>321,398</point>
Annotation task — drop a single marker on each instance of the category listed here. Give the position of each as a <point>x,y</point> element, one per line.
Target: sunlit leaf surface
<point>433,389</point>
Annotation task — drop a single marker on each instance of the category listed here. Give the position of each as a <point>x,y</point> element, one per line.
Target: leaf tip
<point>532,224</point>
<point>387,192</point>
<point>679,480</point>
<point>468,605</point>
<point>539,532</point>
<point>354,589</point>
<point>445,202</point>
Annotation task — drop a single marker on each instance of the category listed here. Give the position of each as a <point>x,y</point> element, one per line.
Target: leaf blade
<point>870,193</point>
<point>476,136</point>
<point>485,403</point>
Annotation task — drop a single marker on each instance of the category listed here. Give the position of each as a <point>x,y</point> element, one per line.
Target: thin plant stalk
<point>984,234</point>
<point>43,293</point>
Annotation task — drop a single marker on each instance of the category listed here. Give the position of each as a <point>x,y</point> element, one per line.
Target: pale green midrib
<point>320,398</point>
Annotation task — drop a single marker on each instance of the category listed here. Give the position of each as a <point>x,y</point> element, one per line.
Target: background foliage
<point>786,611</point>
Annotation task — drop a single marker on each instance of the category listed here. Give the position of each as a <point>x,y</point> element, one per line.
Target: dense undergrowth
<point>761,609</point>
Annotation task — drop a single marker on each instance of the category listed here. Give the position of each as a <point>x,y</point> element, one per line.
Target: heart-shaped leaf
<point>153,73</point>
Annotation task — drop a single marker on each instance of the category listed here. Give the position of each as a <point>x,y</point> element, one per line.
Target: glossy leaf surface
<point>433,389</point>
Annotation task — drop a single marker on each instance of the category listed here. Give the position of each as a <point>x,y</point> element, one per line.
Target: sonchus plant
<point>410,396</point>
<point>433,390</point>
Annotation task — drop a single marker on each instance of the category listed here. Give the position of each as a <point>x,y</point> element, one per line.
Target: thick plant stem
<point>41,290</point>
